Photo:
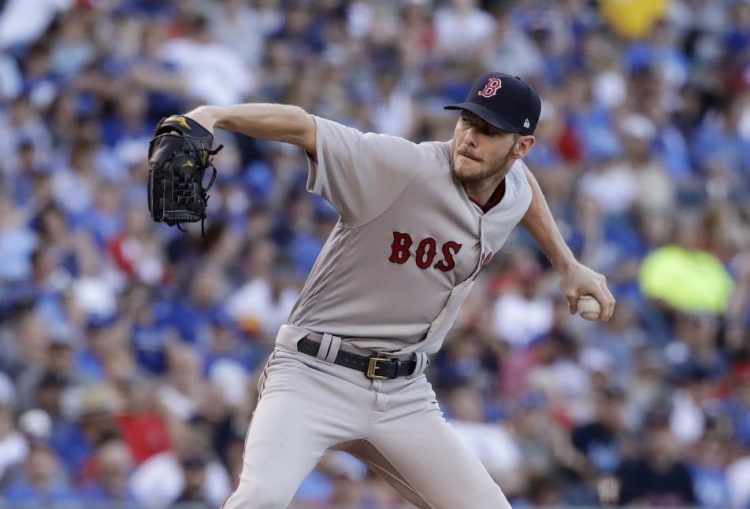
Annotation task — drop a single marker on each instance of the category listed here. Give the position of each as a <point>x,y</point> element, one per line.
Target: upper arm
<point>273,122</point>
<point>359,174</point>
<point>536,194</point>
<point>305,136</point>
<point>530,177</point>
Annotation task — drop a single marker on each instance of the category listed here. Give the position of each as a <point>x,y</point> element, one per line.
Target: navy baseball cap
<point>503,101</point>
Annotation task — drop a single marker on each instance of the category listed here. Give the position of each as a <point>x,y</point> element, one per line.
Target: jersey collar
<point>495,198</point>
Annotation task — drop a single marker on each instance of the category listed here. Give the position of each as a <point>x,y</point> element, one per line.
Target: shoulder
<point>517,182</point>
<point>336,133</point>
<point>436,152</point>
<point>517,173</point>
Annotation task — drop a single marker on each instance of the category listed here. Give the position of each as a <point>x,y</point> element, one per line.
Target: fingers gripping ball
<point>589,308</point>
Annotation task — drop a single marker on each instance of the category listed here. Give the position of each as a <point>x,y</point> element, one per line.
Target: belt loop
<point>422,362</point>
<point>325,345</point>
<point>333,349</point>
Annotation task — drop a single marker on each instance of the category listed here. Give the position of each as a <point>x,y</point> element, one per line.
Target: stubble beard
<point>493,169</point>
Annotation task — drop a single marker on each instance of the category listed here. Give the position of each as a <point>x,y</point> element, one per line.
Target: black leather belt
<point>375,368</point>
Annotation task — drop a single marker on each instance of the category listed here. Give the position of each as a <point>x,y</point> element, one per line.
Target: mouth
<point>467,155</point>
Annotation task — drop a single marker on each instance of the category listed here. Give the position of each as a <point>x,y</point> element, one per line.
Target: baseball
<point>588,308</point>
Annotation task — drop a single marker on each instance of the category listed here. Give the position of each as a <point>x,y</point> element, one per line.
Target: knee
<point>258,496</point>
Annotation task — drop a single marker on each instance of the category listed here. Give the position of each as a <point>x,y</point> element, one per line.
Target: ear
<point>523,146</point>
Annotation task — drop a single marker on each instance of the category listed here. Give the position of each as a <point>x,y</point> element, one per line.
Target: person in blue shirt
<point>111,473</point>
<point>41,483</point>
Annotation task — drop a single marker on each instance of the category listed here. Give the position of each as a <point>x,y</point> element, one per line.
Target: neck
<point>480,191</point>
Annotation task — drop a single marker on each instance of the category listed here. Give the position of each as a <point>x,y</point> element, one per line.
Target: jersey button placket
<point>480,263</point>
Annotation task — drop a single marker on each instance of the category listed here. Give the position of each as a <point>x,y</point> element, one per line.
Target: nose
<point>470,137</point>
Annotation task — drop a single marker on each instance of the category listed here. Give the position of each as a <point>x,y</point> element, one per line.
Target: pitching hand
<point>579,280</point>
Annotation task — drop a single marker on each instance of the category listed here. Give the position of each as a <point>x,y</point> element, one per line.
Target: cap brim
<point>488,116</point>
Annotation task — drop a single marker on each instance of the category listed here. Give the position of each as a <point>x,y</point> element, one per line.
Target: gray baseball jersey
<point>391,277</point>
<point>408,245</point>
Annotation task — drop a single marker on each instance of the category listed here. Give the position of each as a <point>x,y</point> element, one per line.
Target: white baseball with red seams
<point>588,308</point>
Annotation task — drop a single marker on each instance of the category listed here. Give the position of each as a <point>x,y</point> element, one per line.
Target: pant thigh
<point>293,425</point>
<point>420,448</point>
<point>368,454</point>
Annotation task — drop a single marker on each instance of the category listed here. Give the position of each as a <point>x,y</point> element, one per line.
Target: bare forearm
<point>576,279</point>
<point>274,122</point>
<point>539,222</point>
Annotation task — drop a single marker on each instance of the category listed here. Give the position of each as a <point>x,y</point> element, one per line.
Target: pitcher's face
<point>481,151</point>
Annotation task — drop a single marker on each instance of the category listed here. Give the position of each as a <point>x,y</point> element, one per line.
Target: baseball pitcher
<point>417,224</point>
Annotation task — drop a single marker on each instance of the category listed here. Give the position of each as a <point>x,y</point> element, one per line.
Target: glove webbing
<point>187,189</point>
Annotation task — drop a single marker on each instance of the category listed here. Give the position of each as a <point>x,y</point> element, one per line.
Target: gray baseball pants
<point>308,407</point>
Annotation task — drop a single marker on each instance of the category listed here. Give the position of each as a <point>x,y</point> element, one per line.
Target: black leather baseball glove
<point>178,156</point>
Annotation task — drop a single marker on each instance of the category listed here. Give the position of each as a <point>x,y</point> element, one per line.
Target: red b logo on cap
<point>490,89</point>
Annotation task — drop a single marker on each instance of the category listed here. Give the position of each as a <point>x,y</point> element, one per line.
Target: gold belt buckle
<point>372,367</point>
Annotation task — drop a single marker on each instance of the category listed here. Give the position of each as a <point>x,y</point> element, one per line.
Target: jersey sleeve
<point>360,174</point>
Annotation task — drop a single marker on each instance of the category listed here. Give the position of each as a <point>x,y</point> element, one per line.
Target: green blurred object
<point>689,281</point>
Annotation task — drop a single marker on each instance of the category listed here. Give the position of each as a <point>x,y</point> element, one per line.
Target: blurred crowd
<point>129,351</point>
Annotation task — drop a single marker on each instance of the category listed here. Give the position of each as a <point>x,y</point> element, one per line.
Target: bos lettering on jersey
<point>408,244</point>
<point>426,252</point>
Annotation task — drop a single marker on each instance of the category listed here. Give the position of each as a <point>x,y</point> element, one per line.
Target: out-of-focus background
<point>129,351</point>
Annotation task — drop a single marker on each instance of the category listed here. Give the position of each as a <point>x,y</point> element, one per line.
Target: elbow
<point>303,132</point>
